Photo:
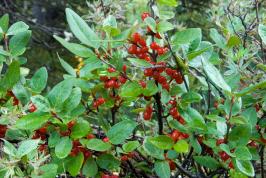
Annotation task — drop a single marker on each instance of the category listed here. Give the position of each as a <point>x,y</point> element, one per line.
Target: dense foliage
<point>146,99</point>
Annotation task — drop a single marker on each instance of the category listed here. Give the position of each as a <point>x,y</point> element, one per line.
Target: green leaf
<point>110,26</point>
<point>164,26</point>
<point>108,162</point>
<point>39,80</point>
<point>196,120</point>
<point>11,77</point>
<point>181,146</point>
<point>139,62</point>
<point>80,129</point>
<point>9,148</point>
<point>214,75</point>
<point>130,146</point>
<point>207,162</point>
<point>73,100</point>
<point>41,103</point>
<point>195,144</point>
<point>18,43</point>
<point>151,88</point>
<point>48,170</point>
<point>53,139</point>
<point>67,67</point>
<point>245,167</point>
<point>130,89</point>
<point>90,168</point>
<point>162,141</point>
<point>191,97</point>
<point>74,164</point>
<point>240,134</point>
<point>172,3</point>
<point>262,32</point>
<point>162,169</point>
<point>217,38</point>
<point>76,49</point>
<point>250,115</point>
<point>98,145</point>
<point>21,93</point>
<point>17,28</point>
<point>151,23</point>
<point>63,147</point>
<point>242,153</point>
<point>81,29</point>
<point>187,36</point>
<point>252,88</point>
<point>27,146</point>
<point>60,93</point>
<point>152,150</point>
<point>233,41</point>
<point>121,131</point>
<point>32,121</point>
<point>4,22</point>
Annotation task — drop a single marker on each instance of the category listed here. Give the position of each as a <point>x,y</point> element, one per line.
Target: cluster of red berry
<point>98,102</point>
<point>176,135</point>
<point>147,114</point>
<point>114,82</point>
<point>77,147</point>
<point>3,129</point>
<point>127,156</point>
<point>41,134</point>
<point>174,112</point>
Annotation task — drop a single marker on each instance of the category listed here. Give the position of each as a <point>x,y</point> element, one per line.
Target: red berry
<point>149,109</point>
<point>71,124</point>
<point>110,83</point>
<point>95,104</point>
<point>87,154</point>
<point>173,111</point>
<point>136,37</point>
<point>147,115</point>
<point>42,147</point>
<point>104,78</point>
<point>166,86</point>
<point>76,143</point>
<point>124,68</point>
<point>114,176</point>
<point>122,79</point>
<point>148,58</point>
<point>32,108</point>
<point>175,135</point>
<point>160,51</point>
<point>142,42</point>
<point>105,139</point>
<point>42,130</point>
<point>162,80</point>
<point>111,69</point>
<point>169,71</point>
<point>231,165</point>
<point>172,165</point>
<point>220,141</point>
<point>181,120</point>
<point>148,72</point>
<point>154,46</point>
<point>172,102</point>
<point>216,104</point>
<point>124,158</point>
<point>132,49</point>
<point>116,85</point>
<point>90,136</point>
<point>101,101</point>
<point>145,15</point>
<point>143,84</point>
<point>224,156</point>
<point>15,101</point>
<point>144,49</point>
